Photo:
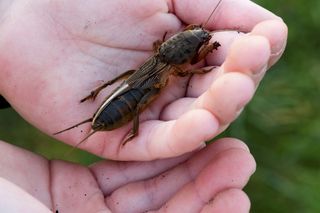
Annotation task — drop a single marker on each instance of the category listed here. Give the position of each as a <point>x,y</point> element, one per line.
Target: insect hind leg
<point>93,94</point>
<point>146,99</point>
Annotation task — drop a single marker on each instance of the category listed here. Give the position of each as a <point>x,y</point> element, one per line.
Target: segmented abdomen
<point>119,111</point>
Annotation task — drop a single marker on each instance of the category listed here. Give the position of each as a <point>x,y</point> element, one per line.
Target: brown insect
<point>143,85</point>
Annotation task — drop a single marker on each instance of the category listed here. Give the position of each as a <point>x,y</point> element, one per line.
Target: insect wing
<point>118,91</point>
<point>147,74</point>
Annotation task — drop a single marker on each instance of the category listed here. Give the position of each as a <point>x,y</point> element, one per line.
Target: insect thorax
<point>182,47</point>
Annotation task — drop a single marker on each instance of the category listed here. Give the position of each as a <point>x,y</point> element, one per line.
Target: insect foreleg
<point>157,44</point>
<point>94,93</point>
<point>204,51</point>
<point>181,73</point>
<point>145,100</point>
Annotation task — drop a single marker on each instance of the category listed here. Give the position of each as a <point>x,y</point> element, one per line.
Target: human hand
<point>52,53</point>
<point>209,180</point>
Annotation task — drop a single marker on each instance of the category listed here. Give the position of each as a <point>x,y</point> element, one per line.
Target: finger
<point>236,80</point>
<point>276,32</point>
<point>198,84</point>
<point>228,201</point>
<point>15,199</point>
<point>159,139</point>
<point>111,175</point>
<point>59,185</point>
<point>229,169</point>
<point>33,178</point>
<point>240,15</point>
<point>162,187</point>
<point>224,100</point>
<point>74,189</point>
<point>249,55</point>
<point>201,82</point>
<point>244,67</point>
<point>225,38</point>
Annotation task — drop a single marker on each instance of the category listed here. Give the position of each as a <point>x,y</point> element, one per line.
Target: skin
<point>53,53</point>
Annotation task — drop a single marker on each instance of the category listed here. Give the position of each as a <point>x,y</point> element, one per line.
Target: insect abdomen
<point>119,111</point>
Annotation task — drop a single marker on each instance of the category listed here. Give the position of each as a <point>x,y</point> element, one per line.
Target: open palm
<point>58,51</point>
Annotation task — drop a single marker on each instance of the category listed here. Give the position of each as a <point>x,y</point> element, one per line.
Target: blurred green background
<point>281,125</point>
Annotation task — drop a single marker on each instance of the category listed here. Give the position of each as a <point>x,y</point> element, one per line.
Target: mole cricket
<point>142,86</point>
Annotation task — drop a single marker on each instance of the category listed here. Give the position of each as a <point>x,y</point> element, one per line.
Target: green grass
<point>281,125</point>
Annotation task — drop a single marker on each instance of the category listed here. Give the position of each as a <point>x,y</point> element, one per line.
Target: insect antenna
<point>211,14</point>
<point>78,124</point>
